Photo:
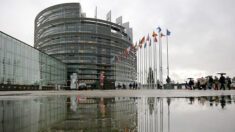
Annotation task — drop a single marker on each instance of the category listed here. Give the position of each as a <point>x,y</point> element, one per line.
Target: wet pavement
<point>127,111</point>
<point>118,93</point>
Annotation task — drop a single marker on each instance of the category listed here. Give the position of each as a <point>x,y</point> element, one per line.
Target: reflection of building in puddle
<point>31,115</point>
<point>99,114</point>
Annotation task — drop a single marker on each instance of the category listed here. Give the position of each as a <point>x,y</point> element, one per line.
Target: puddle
<point>125,114</point>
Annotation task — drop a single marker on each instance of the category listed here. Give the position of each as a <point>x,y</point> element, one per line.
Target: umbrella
<point>222,73</point>
<point>190,78</point>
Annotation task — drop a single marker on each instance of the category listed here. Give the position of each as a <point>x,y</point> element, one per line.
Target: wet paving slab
<point>79,113</point>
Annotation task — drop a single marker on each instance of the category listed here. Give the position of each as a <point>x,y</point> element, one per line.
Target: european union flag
<point>159,29</point>
<point>168,33</point>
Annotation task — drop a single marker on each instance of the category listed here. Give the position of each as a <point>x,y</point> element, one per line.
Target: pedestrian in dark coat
<point>210,81</point>
<point>130,86</point>
<point>222,82</point>
<point>229,83</point>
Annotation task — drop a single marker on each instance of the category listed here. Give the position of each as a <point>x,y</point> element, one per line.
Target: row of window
<point>82,38</point>
<point>69,12</point>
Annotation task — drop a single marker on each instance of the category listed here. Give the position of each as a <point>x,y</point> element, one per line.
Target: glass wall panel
<point>23,65</point>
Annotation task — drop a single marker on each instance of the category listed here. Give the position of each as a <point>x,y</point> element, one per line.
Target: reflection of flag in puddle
<point>81,99</point>
<point>102,107</point>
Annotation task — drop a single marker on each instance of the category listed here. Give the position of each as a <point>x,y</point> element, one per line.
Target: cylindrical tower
<point>86,45</point>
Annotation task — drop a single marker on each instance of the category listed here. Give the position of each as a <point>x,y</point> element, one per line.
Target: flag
<point>159,29</point>
<point>154,34</point>
<point>168,33</point>
<point>148,38</point>
<point>145,44</point>
<point>135,45</point>
<point>150,42</point>
<point>140,45</point>
<point>143,40</point>
<point>162,35</point>
<point>155,39</point>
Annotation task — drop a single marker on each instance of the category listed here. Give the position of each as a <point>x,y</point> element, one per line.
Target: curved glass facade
<point>86,45</point>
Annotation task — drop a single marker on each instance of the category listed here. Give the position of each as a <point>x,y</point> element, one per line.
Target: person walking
<point>216,83</point>
<point>229,82</point>
<point>203,83</point>
<point>123,86</point>
<point>198,84</point>
<point>187,86</point>
<point>119,86</point>
<point>210,82</point>
<point>130,86</point>
<point>222,82</point>
<point>191,84</point>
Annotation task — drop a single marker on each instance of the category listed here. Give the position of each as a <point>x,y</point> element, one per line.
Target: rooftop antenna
<point>108,16</point>
<point>96,12</point>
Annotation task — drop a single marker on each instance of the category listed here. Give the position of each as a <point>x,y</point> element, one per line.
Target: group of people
<point>133,85</point>
<point>210,83</point>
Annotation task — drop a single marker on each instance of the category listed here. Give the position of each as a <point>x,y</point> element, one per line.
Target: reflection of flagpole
<point>161,115</point>
<point>168,102</point>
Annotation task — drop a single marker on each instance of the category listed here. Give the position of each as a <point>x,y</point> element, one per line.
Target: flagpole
<point>145,71</point>
<point>139,64</point>
<point>143,65</point>
<point>160,61</point>
<point>154,63</point>
<point>150,64</point>
<point>137,56</point>
<point>140,68</point>
<point>167,56</point>
<point>144,60</point>
<point>152,59</point>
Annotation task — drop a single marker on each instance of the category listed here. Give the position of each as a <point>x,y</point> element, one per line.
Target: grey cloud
<point>202,31</point>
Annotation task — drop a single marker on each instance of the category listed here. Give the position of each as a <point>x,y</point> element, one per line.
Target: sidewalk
<point>115,93</point>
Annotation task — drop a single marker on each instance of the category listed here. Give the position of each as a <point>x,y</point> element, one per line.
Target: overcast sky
<point>202,39</point>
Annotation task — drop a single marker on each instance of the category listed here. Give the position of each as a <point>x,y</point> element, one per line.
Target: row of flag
<point>132,49</point>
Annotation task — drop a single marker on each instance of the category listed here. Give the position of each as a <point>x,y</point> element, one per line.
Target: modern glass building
<point>86,45</point>
<point>21,64</point>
